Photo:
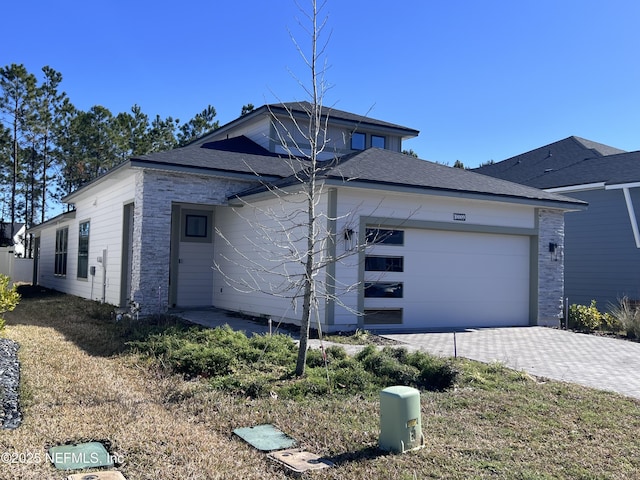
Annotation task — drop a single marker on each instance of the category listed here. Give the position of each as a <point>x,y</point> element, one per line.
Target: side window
<point>83,250</point>
<point>358,141</point>
<point>373,263</point>
<point>60,258</point>
<point>383,289</point>
<point>384,236</point>
<point>196,226</point>
<point>377,141</point>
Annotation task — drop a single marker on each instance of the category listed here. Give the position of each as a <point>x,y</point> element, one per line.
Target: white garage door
<point>459,279</point>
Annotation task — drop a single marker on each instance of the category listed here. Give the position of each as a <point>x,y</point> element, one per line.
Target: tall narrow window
<point>83,250</point>
<point>60,258</point>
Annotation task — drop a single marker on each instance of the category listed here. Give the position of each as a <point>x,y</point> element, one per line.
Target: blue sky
<point>481,80</point>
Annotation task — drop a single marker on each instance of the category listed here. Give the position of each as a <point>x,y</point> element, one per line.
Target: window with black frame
<point>83,250</point>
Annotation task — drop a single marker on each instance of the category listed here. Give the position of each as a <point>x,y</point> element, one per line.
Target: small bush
<point>349,376</point>
<point>396,366</point>
<point>9,298</point>
<point>583,318</point>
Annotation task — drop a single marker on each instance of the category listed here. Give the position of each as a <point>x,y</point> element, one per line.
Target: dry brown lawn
<point>78,384</point>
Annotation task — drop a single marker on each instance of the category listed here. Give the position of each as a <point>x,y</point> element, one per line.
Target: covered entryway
<point>191,272</point>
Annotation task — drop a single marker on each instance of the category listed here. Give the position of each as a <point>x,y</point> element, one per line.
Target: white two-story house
<point>408,244</point>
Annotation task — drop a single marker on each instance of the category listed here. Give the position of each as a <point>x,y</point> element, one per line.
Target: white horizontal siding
<point>104,210</point>
<point>354,203</point>
<point>255,271</point>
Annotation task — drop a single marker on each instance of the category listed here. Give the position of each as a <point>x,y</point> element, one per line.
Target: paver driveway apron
<point>590,360</point>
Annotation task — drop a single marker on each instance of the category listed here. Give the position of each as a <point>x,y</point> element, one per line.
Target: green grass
<point>82,380</point>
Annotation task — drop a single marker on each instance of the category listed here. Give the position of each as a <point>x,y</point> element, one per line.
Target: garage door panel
<point>462,279</point>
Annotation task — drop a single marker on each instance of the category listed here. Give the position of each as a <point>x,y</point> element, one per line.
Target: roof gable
<point>301,110</point>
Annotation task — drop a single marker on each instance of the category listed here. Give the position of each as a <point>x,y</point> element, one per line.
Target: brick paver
<point>590,360</point>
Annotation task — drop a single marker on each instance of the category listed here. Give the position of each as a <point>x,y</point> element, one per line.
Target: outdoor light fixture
<point>349,239</point>
<point>553,250</point>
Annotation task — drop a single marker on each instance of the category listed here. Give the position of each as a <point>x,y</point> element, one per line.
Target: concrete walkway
<point>593,361</point>
<point>597,362</point>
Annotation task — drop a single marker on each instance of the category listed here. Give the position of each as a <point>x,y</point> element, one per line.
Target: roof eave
<point>175,167</point>
<point>568,204</point>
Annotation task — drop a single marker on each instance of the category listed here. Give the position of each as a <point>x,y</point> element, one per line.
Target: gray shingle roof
<point>301,109</point>
<point>611,170</point>
<point>377,168</point>
<point>542,167</point>
<point>335,114</point>
<point>568,162</point>
<point>236,155</point>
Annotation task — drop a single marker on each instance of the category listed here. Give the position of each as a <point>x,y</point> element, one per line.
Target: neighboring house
<point>17,240</point>
<point>457,249</point>
<point>602,243</point>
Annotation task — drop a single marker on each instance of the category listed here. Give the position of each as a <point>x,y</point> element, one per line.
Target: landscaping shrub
<point>585,318</point>
<point>262,365</point>
<point>395,366</point>
<point>9,298</point>
<point>627,317</point>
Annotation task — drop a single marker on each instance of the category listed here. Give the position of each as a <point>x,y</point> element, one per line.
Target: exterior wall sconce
<point>553,250</point>
<point>349,239</point>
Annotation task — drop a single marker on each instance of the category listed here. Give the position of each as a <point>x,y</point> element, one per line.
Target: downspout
<point>632,215</point>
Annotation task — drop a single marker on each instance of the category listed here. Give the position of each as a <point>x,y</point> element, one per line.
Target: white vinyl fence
<point>19,270</point>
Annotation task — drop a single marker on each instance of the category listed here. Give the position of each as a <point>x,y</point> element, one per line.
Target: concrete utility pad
<point>106,475</point>
<point>300,461</point>
<point>265,437</point>
<point>80,456</point>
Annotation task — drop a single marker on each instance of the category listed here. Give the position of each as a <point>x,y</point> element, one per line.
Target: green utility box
<point>400,419</point>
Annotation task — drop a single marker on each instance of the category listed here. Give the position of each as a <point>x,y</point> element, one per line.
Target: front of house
<point>408,244</point>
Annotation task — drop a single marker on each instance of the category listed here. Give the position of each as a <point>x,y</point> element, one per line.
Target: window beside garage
<point>383,289</point>
<point>382,316</point>
<point>384,236</point>
<point>375,263</point>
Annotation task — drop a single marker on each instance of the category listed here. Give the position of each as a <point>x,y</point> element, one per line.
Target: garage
<point>450,279</point>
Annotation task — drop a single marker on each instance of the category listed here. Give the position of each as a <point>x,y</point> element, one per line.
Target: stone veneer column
<point>151,244</point>
<point>550,267</point>
<point>155,193</point>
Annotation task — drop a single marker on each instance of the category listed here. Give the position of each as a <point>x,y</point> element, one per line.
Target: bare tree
<point>292,236</point>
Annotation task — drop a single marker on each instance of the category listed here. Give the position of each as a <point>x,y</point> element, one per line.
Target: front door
<point>191,256</point>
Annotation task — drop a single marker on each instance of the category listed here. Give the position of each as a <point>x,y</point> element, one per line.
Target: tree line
<point>49,148</point>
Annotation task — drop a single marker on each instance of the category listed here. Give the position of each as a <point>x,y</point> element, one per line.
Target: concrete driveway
<point>593,361</point>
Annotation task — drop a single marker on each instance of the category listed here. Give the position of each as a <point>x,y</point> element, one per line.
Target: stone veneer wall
<point>156,191</point>
<point>550,267</point>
